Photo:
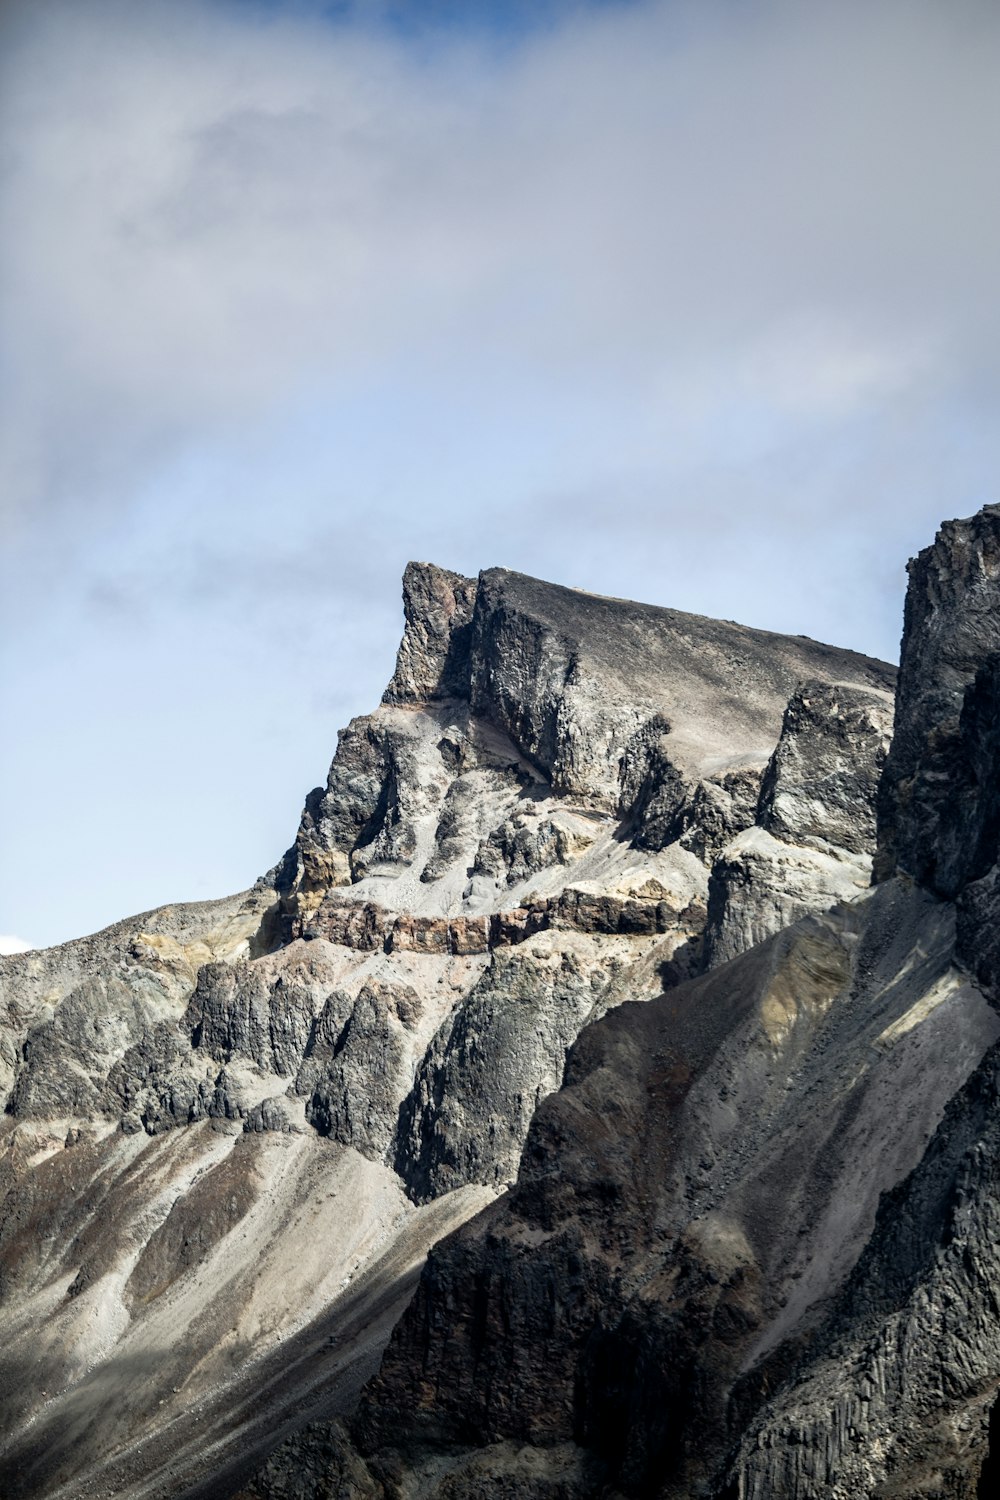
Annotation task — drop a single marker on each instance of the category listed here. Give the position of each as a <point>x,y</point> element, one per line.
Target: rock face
<point>686,1208</point>
<point>751,1251</point>
<point>232,1131</point>
<point>931,803</point>
<point>814,825</point>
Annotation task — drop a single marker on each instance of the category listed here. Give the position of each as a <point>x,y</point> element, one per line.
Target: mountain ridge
<point>246,1122</point>
<point>750,1253</point>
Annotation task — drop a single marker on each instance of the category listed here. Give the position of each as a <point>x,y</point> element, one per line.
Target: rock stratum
<point>566,1114</point>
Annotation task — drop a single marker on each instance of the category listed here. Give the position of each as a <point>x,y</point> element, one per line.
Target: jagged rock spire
<point>931,808</point>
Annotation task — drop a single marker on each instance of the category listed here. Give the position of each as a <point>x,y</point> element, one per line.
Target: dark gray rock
<point>433,659</point>
<point>158,1082</point>
<point>359,804</point>
<point>485,1072</point>
<point>574,678</point>
<point>357,1067</point>
<point>275,1113</point>
<point>263,1012</point>
<point>65,1059</point>
<point>457,837</point>
<point>717,811</point>
<point>315,1466</point>
<point>688,1208</point>
<point>516,841</point>
<point>525,844</point>
<point>820,785</point>
<point>653,791</point>
<point>951,631</point>
<point>896,1391</point>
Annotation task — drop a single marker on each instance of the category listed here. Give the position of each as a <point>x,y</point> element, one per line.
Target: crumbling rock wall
<point>522,837</point>
<point>751,1249</point>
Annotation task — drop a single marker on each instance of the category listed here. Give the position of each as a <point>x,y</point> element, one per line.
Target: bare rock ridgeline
<point>233,1130</point>
<point>751,1251</point>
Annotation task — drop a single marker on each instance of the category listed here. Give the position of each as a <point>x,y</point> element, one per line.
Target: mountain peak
<point>433,657</point>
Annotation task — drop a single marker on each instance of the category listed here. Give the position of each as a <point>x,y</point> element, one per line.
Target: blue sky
<point>690,303</point>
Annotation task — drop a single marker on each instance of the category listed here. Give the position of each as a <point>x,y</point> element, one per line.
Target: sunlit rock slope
<point>233,1130</point>
<point>753,1248</point>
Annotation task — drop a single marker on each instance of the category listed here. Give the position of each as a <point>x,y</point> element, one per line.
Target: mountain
<point>753,1247</point>
<point>234,1130</point>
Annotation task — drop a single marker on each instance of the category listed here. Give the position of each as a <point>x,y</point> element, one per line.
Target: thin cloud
<point>792,206</point>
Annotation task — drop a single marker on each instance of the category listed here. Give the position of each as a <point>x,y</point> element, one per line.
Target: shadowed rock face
<point>688,1207</point>
<point>433,659</point>
<point>233,1130</point>
<point>900,1388</point>
<point>751,1252</point>
<point>951,633</point>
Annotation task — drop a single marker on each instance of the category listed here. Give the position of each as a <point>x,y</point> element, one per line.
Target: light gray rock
<point>752,1250</point>
<point>154,955</point>
<point>518,839</point>
<point>759,884</point>
<point>813,833</point>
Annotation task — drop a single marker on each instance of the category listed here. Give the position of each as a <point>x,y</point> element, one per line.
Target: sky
<point>694,303</point>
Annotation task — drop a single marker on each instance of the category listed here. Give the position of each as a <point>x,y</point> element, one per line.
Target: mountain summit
<point>575,948</point>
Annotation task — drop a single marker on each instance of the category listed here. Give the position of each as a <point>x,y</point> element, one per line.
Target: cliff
<point>233,1131</point>
<point>751,1250</point>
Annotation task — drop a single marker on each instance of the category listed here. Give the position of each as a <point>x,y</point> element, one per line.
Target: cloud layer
<point>752,216</point>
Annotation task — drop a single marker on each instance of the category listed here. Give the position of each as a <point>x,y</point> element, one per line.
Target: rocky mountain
<point>233,1130</point>
<point>753,1247</point>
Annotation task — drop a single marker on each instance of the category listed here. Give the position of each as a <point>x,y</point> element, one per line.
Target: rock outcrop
<point>951,636</point>
<point>686,1208</point>
<point>233,1131</point>
<point>809,844</point>
<point>751,1252</point>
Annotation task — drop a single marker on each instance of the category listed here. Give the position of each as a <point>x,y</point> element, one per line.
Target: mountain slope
<point>232,1131</point>
<point>751,1252</point>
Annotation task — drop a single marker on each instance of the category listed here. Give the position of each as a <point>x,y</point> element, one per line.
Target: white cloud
<point>13,944</point>
<point>213,210</point>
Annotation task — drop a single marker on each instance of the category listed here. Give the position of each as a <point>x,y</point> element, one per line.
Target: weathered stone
<point>526,843</point>
<point>433,659</point>
<point>339,818</point>
<point>813,833</point>
<point>686,1207</point>
<point>378,1001</point>
<point>717,811</point>
<point>356,1071</point>
<point>951,630</point>
<point>158,1082</point>
<point>751,1251</point>
<point>262,1011</point>
<point>820,785</point>
<point>759,884</point>
<point>493,1060</point>
<point>362,925</point>
<point>574,679</point>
